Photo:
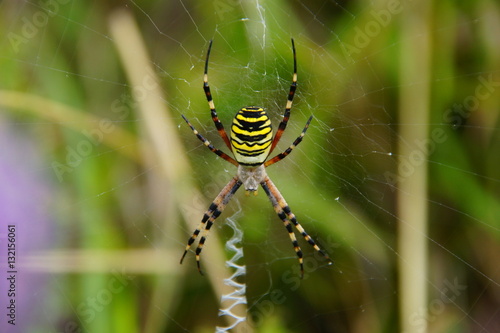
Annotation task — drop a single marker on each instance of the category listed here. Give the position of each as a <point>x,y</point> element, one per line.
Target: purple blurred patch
<point>25,201</point>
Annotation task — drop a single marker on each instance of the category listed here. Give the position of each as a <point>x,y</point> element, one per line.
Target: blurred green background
<point>397,177</point>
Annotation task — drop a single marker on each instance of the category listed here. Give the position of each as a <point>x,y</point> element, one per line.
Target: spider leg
<point>286,215</point>
<point>284,154</point>
<point>212,213</point>
<point>209,145</point>
<point>288,107</point>
<point>215,118</point>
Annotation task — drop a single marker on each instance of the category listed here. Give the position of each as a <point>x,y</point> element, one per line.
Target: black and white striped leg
<point>284,154</point>
<point>285,214</point>
<point>212,213</point>
<point>209,145</point>
<point>211,105</point>
<point>289,101</point>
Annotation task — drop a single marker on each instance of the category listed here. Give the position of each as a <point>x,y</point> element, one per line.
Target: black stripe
<point>249,143</point>
<point>250,126</point>
<point>293,87</point>
<point>250,154</point>
<point>209,225</point>
<point>235,187</point>
<point>206,88</point>
<point>249,139</point>
<point>266,189</point>
<point>215,215</point>
<point>252,114</point>
<point>250,164</point>
<point>191,240</point>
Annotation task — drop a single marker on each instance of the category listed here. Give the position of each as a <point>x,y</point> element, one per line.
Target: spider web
<point>106,252</point>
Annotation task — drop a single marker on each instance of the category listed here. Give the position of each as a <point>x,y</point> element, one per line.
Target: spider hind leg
<point>212,213</point>
<point>285,214</point>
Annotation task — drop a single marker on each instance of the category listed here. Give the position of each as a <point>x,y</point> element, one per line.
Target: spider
<point>251,143</point>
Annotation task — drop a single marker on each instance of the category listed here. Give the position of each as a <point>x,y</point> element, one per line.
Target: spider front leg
<point>213,212</point>
<point>289,101</point>
<point>284,154</point>
<point>286,215</point>
<point>207,143</point>
<point>211,105</point>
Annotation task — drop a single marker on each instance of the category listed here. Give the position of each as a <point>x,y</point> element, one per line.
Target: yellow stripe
<point>246,147</point>
<point>250,142</point>
<point>252,109</point>
<point>235,122</point>
<point>251,120</point>
<point>263,131</point>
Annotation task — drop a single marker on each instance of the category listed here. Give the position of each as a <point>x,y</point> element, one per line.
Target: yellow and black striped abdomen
<point>251,136</point>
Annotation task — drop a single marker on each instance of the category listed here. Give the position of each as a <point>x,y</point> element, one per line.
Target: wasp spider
<point>251,142</point>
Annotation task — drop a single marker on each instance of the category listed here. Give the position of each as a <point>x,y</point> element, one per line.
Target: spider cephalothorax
<point>251,141</point>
